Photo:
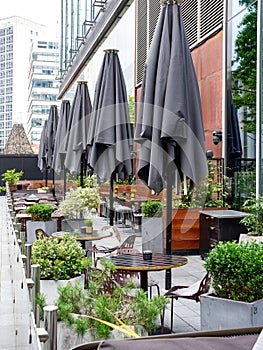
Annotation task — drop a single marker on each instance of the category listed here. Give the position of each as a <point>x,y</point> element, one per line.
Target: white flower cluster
<point>79,201</point>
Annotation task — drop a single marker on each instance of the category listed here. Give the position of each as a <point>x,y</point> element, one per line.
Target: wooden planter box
<point>186,230</point>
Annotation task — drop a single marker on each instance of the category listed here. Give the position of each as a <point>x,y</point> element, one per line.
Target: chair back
<point>40,233</point>
<point>203,287</point>
<point>128,243</point>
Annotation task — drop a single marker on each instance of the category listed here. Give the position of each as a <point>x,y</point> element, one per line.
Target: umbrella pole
<point>53,183</point>
<point>65,182</point>
<point>111,200</point>
<point>81,171</point>
<point>169,198</point>
<point>46,175</point>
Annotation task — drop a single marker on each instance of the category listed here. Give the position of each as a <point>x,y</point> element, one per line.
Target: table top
<point>135,262</point>
<point>96,235</point>
<point>222,214</point>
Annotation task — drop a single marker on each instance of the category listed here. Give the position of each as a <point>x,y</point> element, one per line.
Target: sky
<point>45,12</point>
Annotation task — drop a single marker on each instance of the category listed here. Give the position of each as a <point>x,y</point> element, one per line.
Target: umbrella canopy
<point>77,136</point>
<point>51,129</point>
<point>169,125</point>
<point>60,141</point>
<point>110,137</point>
<point>42,149</point>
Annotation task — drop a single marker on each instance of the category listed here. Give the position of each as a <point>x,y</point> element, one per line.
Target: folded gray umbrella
<point>41,163</point>
<point>60,140</point>
<point>51,129</point>
<point>77,136</point>
<point>110,137</point>
<point>169,125</point>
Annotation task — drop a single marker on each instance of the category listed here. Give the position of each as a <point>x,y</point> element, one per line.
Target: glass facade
<point>241,92</point>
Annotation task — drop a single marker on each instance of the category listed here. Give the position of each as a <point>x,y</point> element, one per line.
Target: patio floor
<point>16,327</point>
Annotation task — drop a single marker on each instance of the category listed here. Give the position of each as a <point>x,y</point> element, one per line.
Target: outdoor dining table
<point>136,262</point>
<point>84,237</point>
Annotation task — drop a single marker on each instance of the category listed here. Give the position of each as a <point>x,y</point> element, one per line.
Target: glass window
<point>35,135</point>
<point>9,81</point>
<point>9,39</point>
<point>9,30</point>
<point>36,122</point>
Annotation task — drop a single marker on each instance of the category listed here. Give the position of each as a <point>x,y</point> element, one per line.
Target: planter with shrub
<point>61,263</point>
<point>11,176</point>
<point>253,221</point>
<point>86,310</point>
<point>236,272</point>
<point>41,217</point>
<point>152,226</point>
<point>78,205</point>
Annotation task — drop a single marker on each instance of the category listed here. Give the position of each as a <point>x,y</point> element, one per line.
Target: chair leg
<point>172,314</point>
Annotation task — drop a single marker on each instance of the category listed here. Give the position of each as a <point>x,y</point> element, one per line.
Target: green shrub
<point>253,221</point>
<point>236,270</point>
<point>104,299</point>
<point>11,176</point>
<point>152,208</point>
<point>40,211</point>
<point>59,260</point>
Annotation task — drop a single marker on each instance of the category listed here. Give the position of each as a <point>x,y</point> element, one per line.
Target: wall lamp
<point>217,137</point>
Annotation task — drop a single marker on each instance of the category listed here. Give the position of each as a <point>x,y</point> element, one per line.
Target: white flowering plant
<point>79,201</point>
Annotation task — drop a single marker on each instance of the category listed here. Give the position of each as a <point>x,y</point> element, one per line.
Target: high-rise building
<point>16,37</point>
<point>42,86</point>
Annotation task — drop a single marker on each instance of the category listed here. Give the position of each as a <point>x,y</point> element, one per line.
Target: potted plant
<point>115,188</point>
<point>11,176</point>
<point>253,220</point>
<point>152,226</point>
<point>2,190</point>
<point>77,205</point>
<point>41,217</point>
<point>133,191</point>
<point>62,261</point>
<point>89,225</point>
<point>106,301</point>
<point>236,272</point>
<point>43,189</point>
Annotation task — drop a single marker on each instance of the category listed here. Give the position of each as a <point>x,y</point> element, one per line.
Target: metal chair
<point>128,243</point>
<point>40,233</point>
<point>122,276</point>
<point>188,292</point>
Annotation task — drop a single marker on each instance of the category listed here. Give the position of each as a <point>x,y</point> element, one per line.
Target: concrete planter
<point>49,287</point>
<point>67,338</point>
<point>153,234</point>
<point>244,237</point>
<point>48,226</point>
<point>219,313</point>
<point>70,225</point>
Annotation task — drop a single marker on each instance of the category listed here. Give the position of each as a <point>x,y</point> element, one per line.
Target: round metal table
<point>135,262</point>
